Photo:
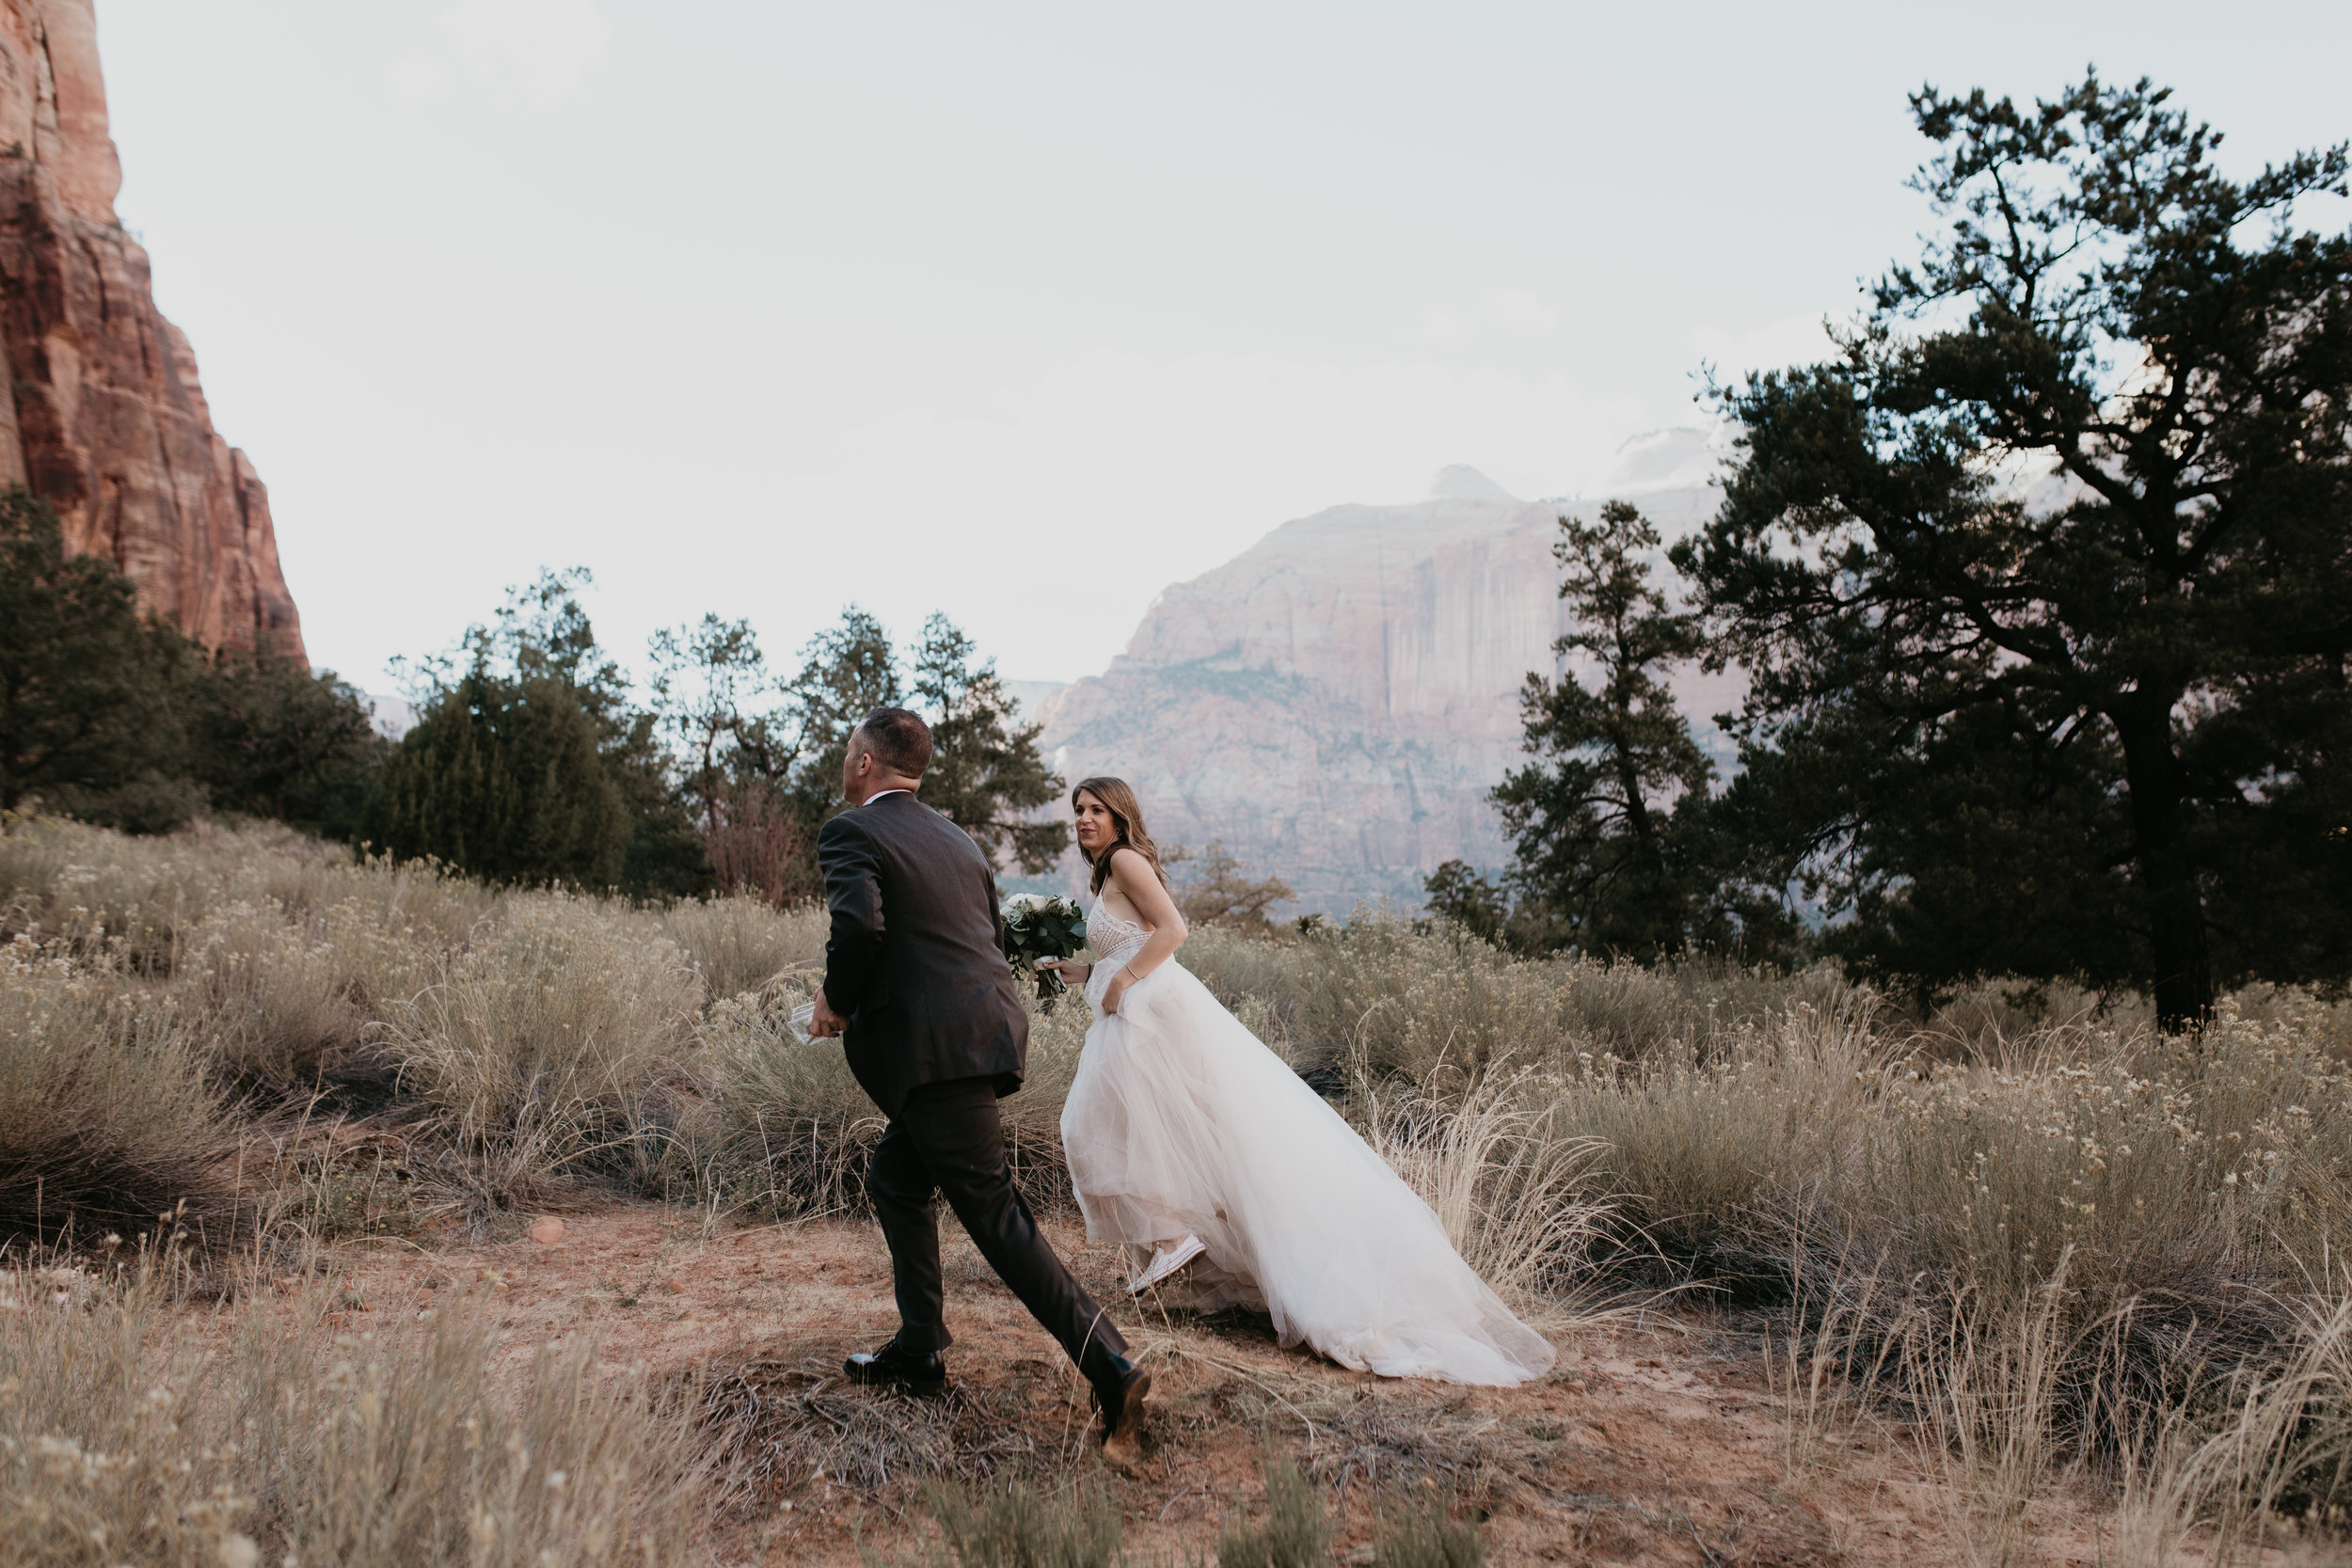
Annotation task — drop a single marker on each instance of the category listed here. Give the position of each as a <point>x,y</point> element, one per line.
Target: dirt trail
<point>1645,1445</point>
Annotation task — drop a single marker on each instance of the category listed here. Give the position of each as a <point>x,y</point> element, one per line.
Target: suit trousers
<point>950,1139</point>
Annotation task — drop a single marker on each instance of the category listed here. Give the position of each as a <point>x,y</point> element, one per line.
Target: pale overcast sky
<point>1018,311</point>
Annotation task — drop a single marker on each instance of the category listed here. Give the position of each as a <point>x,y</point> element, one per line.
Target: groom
<point>923,999</point>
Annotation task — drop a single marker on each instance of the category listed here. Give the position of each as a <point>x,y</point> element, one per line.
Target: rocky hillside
<point>100,408</point>
<point>1334,703</point>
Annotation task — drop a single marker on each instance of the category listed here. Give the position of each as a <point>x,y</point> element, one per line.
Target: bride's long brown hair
<point>1127,815</point>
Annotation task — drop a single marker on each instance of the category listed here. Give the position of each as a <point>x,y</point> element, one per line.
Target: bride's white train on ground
<point>1182,1122</point>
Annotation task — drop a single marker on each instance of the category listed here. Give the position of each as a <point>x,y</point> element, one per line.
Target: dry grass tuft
<point>1388,1449</point>
<point>105,1122</point>
<point>282,999</point>
<point>781,1425</point>
<point>1516,1199</point>
<point>779,1127</point>
<point>1294,1532</point>
<point>120,1440</point>
<point>2272,1460</point>
<point>1425,1536</point>
<point>1017,1525</point>
<point>544,1043</point>
<point>1985,1375</point>
<point>741,944</point>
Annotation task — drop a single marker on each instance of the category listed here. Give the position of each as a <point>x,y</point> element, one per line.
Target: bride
<point>1191,1144</point>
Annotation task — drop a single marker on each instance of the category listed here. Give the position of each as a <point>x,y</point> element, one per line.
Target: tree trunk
<point>2180,972</point>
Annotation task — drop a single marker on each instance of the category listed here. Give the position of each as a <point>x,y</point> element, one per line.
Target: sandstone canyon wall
<point>101,412</point>
<point>1334,704</point>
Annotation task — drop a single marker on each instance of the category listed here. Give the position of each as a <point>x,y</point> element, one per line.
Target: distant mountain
<point>1335,703</point>
<point>1031,696</point>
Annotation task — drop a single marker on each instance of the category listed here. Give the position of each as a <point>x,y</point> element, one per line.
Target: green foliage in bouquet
<point>1037,927</point>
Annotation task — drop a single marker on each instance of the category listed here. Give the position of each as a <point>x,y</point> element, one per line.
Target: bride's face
<point>1097,828</point>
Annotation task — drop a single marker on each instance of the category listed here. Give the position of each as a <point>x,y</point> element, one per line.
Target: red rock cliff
<point>100,409</point>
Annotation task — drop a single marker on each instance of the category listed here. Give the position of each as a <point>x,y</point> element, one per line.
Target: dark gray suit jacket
<point>913,961</point>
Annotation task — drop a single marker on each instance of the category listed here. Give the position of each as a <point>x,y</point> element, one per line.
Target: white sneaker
<point>1166,1262</point>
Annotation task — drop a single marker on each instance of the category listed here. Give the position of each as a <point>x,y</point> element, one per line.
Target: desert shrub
<point>1403,1000</point>
<point>1699,1006</point>
<point>1295,1533</point>
<point>1982,1021</point>
<point>1417,1533</point>
<point>2190,1187</point>
<point>2279,1446</point>
<point>144,899</point>
<point>1517,1200</point>
<point>105,1121</point>
<point>1701,1151</point>
<point>781,1126</point>
<point>68,881</point>
<point>123,1439</point>
<point>2130,1216</point>
<point>545,1042</point>
<point>738,943</point>
<point>281,1000</point>
<point>1015,1525</point>
<point>263,996</point>
<point>1410,998</point>
<point>431,905</point>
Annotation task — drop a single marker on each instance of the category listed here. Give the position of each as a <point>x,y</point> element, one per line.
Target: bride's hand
<point>1073,973</point>
<point>1112,993</point>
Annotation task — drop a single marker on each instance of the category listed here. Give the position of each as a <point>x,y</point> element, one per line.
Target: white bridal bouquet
<point>1038,927</point>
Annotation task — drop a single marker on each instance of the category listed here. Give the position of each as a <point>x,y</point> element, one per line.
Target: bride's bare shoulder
<point>1131,871</point>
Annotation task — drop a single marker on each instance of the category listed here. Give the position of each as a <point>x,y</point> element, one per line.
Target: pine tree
<point>718,702</point>
<point>269,738</point>
<point>1594,812</point>
<point>2101,730</point>
<point>847,671</point>
<point>1461,896</point>
<point>84,682</point>
<point>987,774</point>
<point>503,777</point>
<point>528,763</point>
<point>739,741</point>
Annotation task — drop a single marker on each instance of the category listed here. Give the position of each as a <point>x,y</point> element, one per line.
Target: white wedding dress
<point>1180,1122</point>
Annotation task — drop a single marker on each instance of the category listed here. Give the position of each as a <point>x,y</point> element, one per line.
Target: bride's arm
<point>1131,874</point>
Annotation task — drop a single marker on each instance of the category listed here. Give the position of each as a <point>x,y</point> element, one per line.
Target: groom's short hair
<point>899,740</point>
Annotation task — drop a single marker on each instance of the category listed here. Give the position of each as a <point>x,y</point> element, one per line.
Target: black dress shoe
<point>895,1363</point>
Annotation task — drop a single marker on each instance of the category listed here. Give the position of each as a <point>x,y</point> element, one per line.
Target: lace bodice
<point>1108,934</point>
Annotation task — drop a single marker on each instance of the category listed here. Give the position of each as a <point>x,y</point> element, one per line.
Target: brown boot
<point>1122,1421</point>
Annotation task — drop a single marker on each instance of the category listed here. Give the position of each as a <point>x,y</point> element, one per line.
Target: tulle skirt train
<point>1182,1122</point>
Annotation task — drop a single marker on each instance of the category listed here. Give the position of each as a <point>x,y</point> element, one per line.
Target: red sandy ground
<point>1648,1444</point>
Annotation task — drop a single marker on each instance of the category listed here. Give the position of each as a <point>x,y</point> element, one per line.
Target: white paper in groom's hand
<point>799,1020</point>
